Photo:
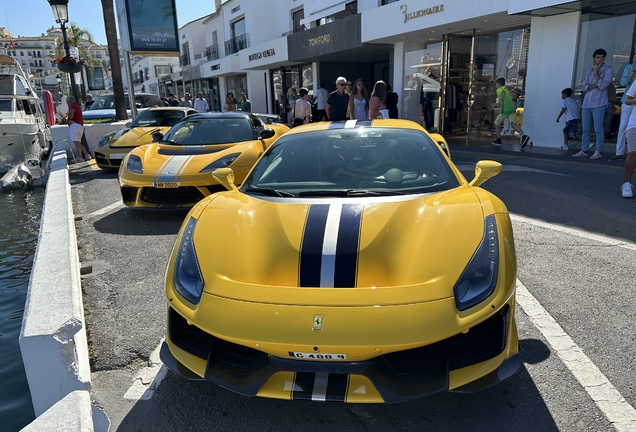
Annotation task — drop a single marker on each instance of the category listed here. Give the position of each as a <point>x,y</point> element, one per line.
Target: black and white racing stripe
<point>320,386</point>
<point>172,169</point>
<point>349,124</point>
<point>329,250</point>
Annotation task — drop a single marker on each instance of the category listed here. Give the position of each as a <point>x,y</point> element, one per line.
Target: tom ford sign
<point>259,55</point>
<point>420,12</point>
<point>337,36</point>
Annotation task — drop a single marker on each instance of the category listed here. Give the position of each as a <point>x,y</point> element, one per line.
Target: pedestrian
<point>627,190</point>
<point>509,111</point>
<point>172,100</point>
<point>88,102</point>
<point>200,104</point>
<point>391,102</point>
<point>595,83</point>
<point>187,101</point>
<point>377,107</point>
<point>570,108</point>
<point>348,89</point>
<point>291,100</point>
<point>246,105</point>
<point>338,101</point>
<point>302,108</point>
<point>320,96</point>
<point>230,103</point>
<point>359,101</point>
<point>627,79</point>
<point>75,122</point>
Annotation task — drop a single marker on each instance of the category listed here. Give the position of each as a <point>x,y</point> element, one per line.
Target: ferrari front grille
<point>226,355</point>
<point>181,195</point>
<point>484,341</point>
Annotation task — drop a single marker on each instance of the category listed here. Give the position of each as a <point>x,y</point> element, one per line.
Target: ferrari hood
<point>256,245</point>
<point>136,136</point>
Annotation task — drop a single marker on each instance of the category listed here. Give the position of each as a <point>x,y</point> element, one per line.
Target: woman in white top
<point>302,107</point>
<point>359,101</point>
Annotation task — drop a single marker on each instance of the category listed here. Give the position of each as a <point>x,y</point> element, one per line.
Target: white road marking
<point>148,378</point>
<point>621,414</point>
<point>573,231</point>
<point>104,210</point>
<point>515,168</point>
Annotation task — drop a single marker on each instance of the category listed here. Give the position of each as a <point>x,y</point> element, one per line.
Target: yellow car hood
<point>295,251</point>
<point>136,136</point>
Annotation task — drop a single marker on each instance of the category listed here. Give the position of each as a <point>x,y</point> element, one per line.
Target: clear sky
<point>33,17</point>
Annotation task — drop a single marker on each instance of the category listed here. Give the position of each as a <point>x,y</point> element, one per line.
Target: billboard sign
<point>148,26</point>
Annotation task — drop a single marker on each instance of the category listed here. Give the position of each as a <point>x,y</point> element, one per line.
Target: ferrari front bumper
<point>476,360</point>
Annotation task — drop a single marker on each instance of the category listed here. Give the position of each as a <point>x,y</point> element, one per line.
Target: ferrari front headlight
<point>103,141</point>
<point>188,280</point>
<point>480,276</point>
<point>134,164</point>
<point>224,162</point>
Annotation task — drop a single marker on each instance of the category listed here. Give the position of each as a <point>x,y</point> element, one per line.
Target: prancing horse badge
<point>317,322</point>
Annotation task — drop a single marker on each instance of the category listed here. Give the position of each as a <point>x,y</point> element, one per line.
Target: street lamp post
<point>60,12</point>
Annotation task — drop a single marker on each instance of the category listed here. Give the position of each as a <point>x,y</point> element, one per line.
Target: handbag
<point>297,120</point>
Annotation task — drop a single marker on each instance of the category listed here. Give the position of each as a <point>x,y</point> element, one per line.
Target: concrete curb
<point>53,336</point>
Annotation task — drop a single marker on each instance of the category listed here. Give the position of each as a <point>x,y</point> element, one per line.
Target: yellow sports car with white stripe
<point>355,263</point>
<point>113,147</point>
<point>176,171</point>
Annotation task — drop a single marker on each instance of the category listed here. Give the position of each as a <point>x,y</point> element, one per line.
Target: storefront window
<point>422,73</point>
<point>616,35</point>
<point>236,84</point>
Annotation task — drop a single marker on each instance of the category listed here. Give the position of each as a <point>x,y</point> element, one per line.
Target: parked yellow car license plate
<point>167,185</point>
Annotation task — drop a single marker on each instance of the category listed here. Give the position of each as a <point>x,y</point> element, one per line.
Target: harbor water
<point>20,213</point>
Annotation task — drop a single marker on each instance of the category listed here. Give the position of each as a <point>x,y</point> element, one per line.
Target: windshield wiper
<point>270,191</point>
<point>347,193</point>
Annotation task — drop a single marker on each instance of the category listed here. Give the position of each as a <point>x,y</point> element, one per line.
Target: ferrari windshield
<point>157,118</point>
<point>208,131</point>
<point>352,162</point>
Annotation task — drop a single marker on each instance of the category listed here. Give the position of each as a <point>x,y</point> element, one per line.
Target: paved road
<point>576,247</point>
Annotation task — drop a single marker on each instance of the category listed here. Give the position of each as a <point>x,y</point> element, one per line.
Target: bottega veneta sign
<point>259,55</point>
<point>421,12</point>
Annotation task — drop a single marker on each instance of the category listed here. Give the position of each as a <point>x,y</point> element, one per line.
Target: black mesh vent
<point>182,195</point>
<point>129,194</point>
<point>482,342</point>
<point>226,355</point>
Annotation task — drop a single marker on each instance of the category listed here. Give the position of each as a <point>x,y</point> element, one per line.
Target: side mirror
<point>442,143</point>
<point>225,176</point>
<point>484,170</point>
<point>267,133</point>
<point>157,136</point>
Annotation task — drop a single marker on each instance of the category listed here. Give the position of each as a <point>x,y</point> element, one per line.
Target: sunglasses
<point>340,84</point>
<point>349,84</point>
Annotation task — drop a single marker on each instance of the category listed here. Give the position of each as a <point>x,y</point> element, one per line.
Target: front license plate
<point>167,185</point>
<point>319,357</point>
<point>118,156</point>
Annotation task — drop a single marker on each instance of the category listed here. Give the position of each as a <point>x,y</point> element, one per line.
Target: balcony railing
<point>212,52</point>
<point>236,44</point>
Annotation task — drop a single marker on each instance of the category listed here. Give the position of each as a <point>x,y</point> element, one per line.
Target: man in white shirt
<point>200,104</point>
<point>320,96</point>
<point>627,190</point>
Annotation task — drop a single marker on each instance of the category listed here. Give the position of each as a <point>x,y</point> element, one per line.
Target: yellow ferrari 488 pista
<point>114,146</point>
<point>355,263</point>
<point>176,170</point>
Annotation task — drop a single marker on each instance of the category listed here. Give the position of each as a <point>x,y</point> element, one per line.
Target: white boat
<point>23,129</point>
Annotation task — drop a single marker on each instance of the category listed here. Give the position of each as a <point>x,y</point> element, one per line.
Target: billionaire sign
<point>259,55</point>
<point>421,12</point>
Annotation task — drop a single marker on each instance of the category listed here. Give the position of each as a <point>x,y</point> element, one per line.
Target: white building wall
<point>551,67</point>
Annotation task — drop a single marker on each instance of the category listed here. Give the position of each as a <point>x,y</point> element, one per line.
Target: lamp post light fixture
<point>60,13</point>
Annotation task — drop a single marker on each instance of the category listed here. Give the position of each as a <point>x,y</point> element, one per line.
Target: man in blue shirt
<point>338,102</point>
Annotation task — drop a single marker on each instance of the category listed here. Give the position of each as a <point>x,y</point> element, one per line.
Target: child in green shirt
<point>508,111</point>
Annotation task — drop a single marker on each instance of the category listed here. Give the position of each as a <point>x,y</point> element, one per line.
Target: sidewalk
<point>512,145</point>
